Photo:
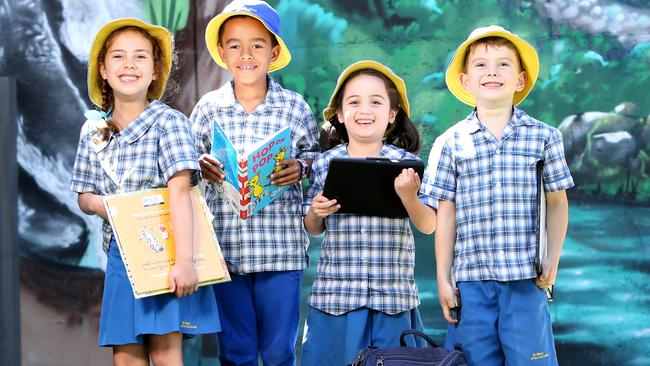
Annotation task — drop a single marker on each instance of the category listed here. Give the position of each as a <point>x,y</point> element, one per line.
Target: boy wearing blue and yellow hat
<point>484,172</point>
<point>266,253</point>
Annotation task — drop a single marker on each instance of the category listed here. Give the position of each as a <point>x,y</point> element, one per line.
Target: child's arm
<point>557,218</point>
<point>423,216</point>
<point>183,279</point>
<point>92,204</point>
<point>445,241</point>
<point>321,207</point>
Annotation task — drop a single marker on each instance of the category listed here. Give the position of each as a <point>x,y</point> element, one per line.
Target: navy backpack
<point>410,356</point>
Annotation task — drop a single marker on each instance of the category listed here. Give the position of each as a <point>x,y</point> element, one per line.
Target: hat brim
<point>160,34</point>
<point>212,41</point>
<point>330,111</point>
<point>527,54</point>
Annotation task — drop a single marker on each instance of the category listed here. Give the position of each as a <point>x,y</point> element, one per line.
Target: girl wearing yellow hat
<point>138,143</point>
<point>364,291</point>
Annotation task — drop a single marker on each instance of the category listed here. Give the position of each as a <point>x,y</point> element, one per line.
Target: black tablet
<point>366,186</point>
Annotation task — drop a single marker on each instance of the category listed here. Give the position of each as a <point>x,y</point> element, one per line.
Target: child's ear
<point>464,80</point>
<point>339,115</point>
<point>391,116</point>
<point>220,51</point>
<point>102,71</point>
<point>275,52</point>
<point>155,74</point>
<point>522,79</point>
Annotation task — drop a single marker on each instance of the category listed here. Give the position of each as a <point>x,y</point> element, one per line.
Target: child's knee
<point>165,357</point>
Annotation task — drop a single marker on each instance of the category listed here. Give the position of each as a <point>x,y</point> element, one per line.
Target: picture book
<point>142,227</point>
<point>247,186</point>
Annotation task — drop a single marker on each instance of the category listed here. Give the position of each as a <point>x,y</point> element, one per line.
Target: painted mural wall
<point>593,85</point>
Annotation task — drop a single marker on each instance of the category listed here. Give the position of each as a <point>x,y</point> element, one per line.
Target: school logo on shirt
<point>539,356</point>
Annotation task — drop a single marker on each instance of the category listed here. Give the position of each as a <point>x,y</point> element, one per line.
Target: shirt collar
<point>274,96</point>
<point>387,151</point>
<point>519,118</point>
<point>136,129</point>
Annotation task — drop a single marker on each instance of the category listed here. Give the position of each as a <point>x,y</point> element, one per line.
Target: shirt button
<point>363,230</point>
<point>243,228</point>
<point>498,184</point>
<point>499,220</point>
<point>364,259</point>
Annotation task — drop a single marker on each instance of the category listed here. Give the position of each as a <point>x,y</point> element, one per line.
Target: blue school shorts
<point>259,313</point>
<point>335,340</point>
<point>126,320</point>
<point>503,323</point>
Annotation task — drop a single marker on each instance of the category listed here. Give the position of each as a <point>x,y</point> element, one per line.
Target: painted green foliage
<point>580,72</point>
<point>171,14</point>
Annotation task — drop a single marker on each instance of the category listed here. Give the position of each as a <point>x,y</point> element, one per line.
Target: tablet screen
<point>365,186</point>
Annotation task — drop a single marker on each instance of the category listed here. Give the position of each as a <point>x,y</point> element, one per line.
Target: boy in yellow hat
<point>484,172</point>
<point>266,254</point>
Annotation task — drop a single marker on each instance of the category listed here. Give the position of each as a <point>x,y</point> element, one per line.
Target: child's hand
<point>549,273</point>
<point>288,174</point>
<point>447,298</point>
<point>183,280</point>
<point>407,184</point>
<point>322,207</point>
<point>211,168</point>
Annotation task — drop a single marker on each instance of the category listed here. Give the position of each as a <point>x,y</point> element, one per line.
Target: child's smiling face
<point>247,49</point>
<point>493,75</point>
<point>129,66</point>
<point>365,109</point>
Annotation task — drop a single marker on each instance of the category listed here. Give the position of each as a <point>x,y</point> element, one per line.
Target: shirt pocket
<point>473,172</point>
<point>523,171</point>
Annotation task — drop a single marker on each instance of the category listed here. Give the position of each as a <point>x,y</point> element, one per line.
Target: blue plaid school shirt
<point>494,186</point>
<point>365,261</point>
<point>144,155</point>
<point>274,238</point>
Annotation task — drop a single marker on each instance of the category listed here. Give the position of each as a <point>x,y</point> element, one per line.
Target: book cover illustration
<point>247,186</point>
<point>142,227</point>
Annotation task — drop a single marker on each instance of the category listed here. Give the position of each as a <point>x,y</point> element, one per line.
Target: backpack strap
<point>402,337</point>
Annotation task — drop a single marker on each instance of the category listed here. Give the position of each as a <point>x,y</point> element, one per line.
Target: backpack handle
<point>402,340</point>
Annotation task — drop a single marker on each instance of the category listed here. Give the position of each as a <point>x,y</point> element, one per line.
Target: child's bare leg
<point>130,355</point>
<point>166,349</point>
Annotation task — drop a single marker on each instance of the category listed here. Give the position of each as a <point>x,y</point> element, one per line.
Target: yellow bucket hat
<point>257,9</point>
<point>527,54</point>
<point>372,65</point>
<point>160,34</point>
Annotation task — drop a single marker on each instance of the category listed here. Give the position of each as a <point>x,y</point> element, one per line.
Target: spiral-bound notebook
<point>365,186</point>
<point>142,227</point>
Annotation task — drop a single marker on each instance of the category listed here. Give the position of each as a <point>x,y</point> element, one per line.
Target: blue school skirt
<point>126,320</point>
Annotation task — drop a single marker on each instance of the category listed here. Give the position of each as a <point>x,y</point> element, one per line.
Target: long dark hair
<point>401,133</point>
